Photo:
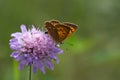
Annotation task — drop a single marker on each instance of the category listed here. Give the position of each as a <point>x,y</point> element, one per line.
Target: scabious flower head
<point>34,47</point>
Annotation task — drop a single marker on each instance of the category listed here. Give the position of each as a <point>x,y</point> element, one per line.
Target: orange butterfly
<point>60,31</point>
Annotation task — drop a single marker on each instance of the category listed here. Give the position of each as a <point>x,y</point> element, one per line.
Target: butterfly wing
<point>52,31</point>
<point>54,22</point>
<point>62,31</point>
<point>72,27</point>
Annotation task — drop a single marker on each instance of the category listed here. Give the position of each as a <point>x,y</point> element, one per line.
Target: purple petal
<point>20,57</point>
<point>29,61</point>
<point>15,46</point>
<point>56,59</point>
<point>52,55</point>
<point>23,28</point>
<point>49,64</point>
<point>21,64</point>
<point>58,51</point>
<point>41,66</point>
<point>17,34</point>
<point>35,67</point>
<point>15,54</point>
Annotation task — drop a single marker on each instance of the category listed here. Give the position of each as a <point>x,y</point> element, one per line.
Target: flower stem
<point>29,73</point>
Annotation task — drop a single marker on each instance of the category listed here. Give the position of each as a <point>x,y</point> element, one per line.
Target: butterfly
<point>59,31</point>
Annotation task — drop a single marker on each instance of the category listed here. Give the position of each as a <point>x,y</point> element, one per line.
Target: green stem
<point>29,73</point>
<point>16,72</point>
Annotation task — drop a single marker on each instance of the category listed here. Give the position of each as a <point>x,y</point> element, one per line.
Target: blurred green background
<point>91,53</point>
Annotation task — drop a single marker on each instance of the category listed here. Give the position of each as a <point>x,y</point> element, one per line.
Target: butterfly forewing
<point>52,31</point>
<point>54,22</point>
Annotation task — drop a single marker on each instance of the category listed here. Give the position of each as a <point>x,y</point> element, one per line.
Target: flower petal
<point>15,54</point>
<point>23,28</point>
<point>41,66</point>
<point>21,64</point>
<point>49,64</point>
<point>35,67</point>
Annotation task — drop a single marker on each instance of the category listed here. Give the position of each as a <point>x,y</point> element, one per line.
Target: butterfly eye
<point>46,32</point>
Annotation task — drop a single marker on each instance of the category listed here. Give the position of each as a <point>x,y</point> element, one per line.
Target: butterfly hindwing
<point>62,32</point>
<point>72,27</point>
